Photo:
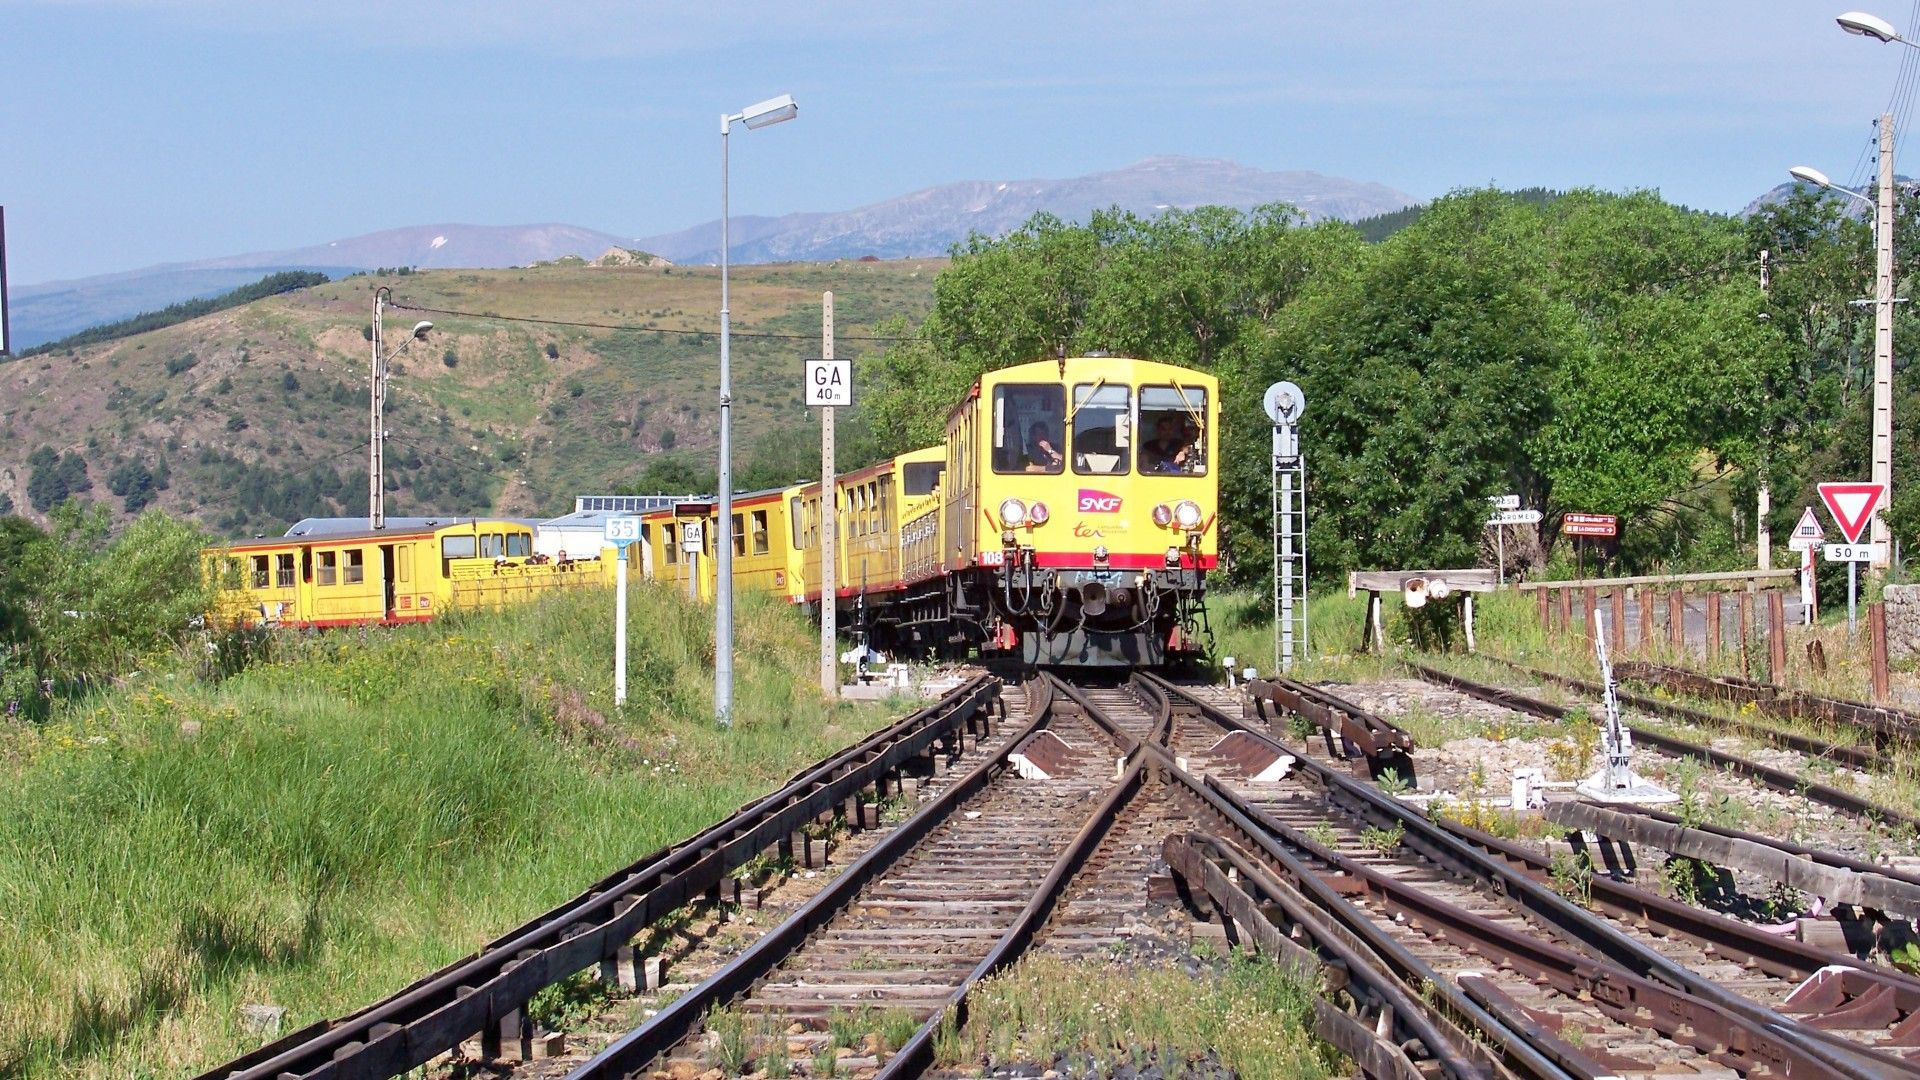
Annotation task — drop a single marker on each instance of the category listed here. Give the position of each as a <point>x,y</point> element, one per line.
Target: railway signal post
<point>621,532</point>
<point>1284,403</point>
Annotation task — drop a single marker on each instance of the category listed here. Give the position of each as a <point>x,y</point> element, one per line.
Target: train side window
<point>356,566</point>
<point>795,526</point>
<point>760,539</point>
<point>328,574</point>
<point>258,565</point>
<point>1027,421</point>
<point>670,542</point>
<point>403,564</point>
<point>1173,429</point>
<point>1101,428</point>
<point>922,477</point>
<point>886,506</point>
<point>739,537</point>
<point>457,547</point>
<point>283,570</point>
<point>519,545</point>
<point>490,545</point>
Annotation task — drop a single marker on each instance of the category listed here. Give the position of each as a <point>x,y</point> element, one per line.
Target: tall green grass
<point>367,806</point>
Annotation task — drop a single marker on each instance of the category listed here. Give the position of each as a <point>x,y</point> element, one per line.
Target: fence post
<point>1746,634</point>
<point>1566,610</point>
<point>1544,598</point>
<point>1589,602</point>
<point>1713,626</point>
<point>1617,633</point>
<point>1776,637</point>
<point>1877,629</point>
<point>1646,620</point>
<point>1677,620</point>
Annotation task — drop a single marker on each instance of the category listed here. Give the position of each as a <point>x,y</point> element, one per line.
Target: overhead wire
<point>628,327</point>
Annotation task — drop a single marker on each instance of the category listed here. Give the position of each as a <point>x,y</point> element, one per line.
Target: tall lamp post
<point>1872,26</point>
<point>765,114</point>
<point>376,459</point>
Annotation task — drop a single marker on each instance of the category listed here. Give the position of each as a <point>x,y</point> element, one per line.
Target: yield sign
<point>1852,506</point>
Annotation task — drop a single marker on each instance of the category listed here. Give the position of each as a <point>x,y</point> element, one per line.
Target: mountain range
<point>921,223</point>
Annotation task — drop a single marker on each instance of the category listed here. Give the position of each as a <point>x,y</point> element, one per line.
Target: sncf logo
<point>1098,502</point>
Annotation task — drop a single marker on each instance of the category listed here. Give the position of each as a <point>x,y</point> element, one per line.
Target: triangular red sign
<point>1852,506</point>
<point>1809,527</point>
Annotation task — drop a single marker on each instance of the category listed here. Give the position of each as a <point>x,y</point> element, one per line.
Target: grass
<point>369,806</point>
<point>1256,1017</point>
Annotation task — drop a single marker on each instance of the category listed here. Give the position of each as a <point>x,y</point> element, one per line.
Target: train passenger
<point>1171,448</point>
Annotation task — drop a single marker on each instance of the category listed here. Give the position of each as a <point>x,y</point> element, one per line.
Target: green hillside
<point>249,418</point>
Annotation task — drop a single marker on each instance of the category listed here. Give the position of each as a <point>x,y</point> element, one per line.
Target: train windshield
<point>1101,432</point>
<point>1173,423</point>
<point>1028,419</point>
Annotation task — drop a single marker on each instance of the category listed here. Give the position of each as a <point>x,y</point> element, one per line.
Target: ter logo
<point>1098,502</point>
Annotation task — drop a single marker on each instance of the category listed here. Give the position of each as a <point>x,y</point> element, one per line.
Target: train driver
<point>1043,453</point>
<point>1171,450</point>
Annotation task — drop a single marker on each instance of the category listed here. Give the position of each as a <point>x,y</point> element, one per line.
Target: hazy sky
<point>141,131</point>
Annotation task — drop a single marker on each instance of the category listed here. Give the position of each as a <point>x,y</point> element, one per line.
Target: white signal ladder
<point>1289,550</point>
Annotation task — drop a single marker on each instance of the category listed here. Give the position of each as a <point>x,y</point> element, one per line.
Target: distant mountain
<point>1854,207</point>
<point>55,309</point>
<point>929,221</point>
<point>925,222</point>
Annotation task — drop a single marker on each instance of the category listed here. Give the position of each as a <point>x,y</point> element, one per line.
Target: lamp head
<point>420,330</point>
<point>769,112</point>
<point>1807,174</point>
<point>1865,25</point>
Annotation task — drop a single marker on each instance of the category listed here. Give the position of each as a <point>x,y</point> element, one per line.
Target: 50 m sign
<point>828,383</point>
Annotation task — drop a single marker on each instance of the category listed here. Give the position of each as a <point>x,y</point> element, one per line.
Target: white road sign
<point>1514,517</point>
<point>1851,552</point>
<point>828,382</point>
<point>622,531</point>
<point>692,536</point>
<point>1504,502</point>
<point>1808,533</point>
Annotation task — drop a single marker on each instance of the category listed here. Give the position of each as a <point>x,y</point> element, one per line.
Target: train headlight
<point>1163,515</point>
<point>1100,553</point>
<point>1038,513</point>
<point>1013,513</point>
<point>1187,513</point>
<point>1173,556</point>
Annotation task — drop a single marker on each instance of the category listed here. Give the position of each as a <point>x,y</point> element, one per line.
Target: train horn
<point>1093,598</point>
<point>1415,591</point>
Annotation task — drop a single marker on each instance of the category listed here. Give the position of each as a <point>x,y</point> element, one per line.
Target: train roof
<point>310,530</point>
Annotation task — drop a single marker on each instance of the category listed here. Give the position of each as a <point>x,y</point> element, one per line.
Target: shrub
<point>181,364</point>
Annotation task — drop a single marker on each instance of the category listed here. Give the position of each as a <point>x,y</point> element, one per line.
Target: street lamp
<point>376,463</point>
<point>764,114</point>
<point>1872,26</point>
<point>1807,174</point>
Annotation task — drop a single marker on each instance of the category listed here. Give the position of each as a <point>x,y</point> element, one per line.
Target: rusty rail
<point>1890,725</point>
<point>1384,744</point>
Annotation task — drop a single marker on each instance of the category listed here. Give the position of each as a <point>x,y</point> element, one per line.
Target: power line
<point>641,329</point>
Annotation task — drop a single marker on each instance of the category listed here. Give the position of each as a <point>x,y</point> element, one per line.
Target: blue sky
<point>143,131</point>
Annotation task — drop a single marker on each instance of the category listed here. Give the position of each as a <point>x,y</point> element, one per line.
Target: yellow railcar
<point>389,576</point>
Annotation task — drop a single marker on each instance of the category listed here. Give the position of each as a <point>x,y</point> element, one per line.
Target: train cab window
<point>670,543</point>
<point>328,572</point>
<point>739,538</point>
<point>1101,428</point>
<point>283,570</point>
<point>760,539</point>
<point>356,566</point>
<point>457,547</point>
<point>490,547</point>
<point>1173,427</point>
<point>519,545</point>
<point>258,567</point>
<point>921,477</point>
<point>1028,419</point>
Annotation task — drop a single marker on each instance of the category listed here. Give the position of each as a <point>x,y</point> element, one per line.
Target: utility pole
<point>829,643</point>
<point>376,480</point>
<point>1765,508</point>
<point>1883,345</point>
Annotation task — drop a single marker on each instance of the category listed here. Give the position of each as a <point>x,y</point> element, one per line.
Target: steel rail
<point>1762,1030</point>
<point>1888,723</point>
<point>439,1011</point>
<point>1373,735</point>
<point>1778,779</point>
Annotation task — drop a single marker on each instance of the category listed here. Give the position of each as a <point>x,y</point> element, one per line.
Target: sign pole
<point>1500,545</point>
<point>620,630</point>
<point>1853,596</point>
<point>829,644</point>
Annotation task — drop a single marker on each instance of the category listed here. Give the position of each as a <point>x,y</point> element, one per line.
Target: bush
<point>179,365</point>
<point>553,351</point>
<point>451,357</point>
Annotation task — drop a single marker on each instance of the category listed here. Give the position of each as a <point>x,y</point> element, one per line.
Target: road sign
<point>828,382</point>
<point>1589,525</point>
<point>622,531</point>
<point>1808,533</point>
<point>1852,506</point>
<point>1855,553</point>
<point>1504,502</point>
<point>692,536</point>
<point>1514,517</point>
<point>1285,403</point>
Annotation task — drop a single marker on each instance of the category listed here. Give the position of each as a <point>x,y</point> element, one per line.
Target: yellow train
<point>406,573</point>
<point>1069,518</point>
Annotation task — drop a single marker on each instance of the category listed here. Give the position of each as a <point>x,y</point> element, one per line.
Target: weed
<point>732,1042</point>
<point>1572,875</point>
<point>825,1063</point>
<point>1384,842</point>
<point>566,1003</point>
<point>897,1026</point>
<point>1392,783</point>
<point>845,1028</point>
<point>1323,833</point>
<point>775,1061</point>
